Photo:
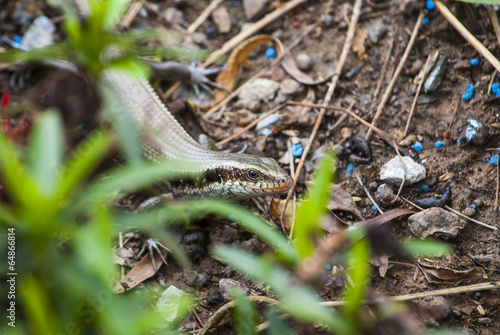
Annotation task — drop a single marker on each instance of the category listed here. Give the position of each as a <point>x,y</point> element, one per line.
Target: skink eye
<point>252,175</point>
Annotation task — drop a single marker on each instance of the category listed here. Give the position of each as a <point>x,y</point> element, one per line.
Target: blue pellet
<point>468,93</point>
<point>474,62</point>
<point>493,160</point>
<point>425,188</point>
<point>439,144</point>
<point>425,21</point>
<point>430,5</point>
<point>350,168</point>
<point>417,146</point>
<point>270,53</point>
<point>297,149</point>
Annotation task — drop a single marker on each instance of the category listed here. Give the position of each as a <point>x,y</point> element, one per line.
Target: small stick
<point>130,15</point>
<point>343,57</point>
<point>233,42</point>
<point>292,172</point>
<point>421,295</point>
<point>470,219</point>
<point>368,193</point>
<point>384,69</point>
<point>413,204</point>
<point>467,35</point>
<point>498,185</point>
<point>402,62</point>
<point>264,70</point>
<point>203,16</point>
<point>447,132</point>
<point>250,125</point>
<point>414,104</point>
<point>494,21</point>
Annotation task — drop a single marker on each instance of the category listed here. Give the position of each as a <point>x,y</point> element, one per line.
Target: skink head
<point>252,176</point>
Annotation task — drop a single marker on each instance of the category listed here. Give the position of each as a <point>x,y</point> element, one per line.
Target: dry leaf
<point>140,272</point>
<point>442,275</point>
<point>358,42</point>
<point>227,77</point>
<point>290,66</point>
<point>341,200</point>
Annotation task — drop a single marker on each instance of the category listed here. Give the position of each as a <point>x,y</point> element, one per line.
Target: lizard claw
<point>154,246</point>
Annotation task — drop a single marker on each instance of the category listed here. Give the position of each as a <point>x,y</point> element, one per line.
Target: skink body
<point>216,174</point>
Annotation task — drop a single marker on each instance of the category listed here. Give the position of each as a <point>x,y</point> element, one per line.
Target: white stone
<point>393,173</point>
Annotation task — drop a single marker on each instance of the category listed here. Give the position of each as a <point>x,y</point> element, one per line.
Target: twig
<point>203,16</point>
<point>400,158</point>
<point>421,295</point>
<point>498,185</point>
<point>470,219</point>
<point>494,21</point>
<point>447,132</point>
<point>292,172</point>
<point>402,62</point>
<point>414,104</point>
<point>233,42</point>
<point>384,69</point>
<point>250,125</point>
<point>467,35</point>
<point>368,193</point>
<point>264,70</point>
<point>130,15</point>
<point>412,203</point>
<point>343,56</point>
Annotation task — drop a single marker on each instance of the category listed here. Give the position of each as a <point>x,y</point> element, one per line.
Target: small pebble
<point>430,5</point>
<point>304,61</point>
<point>227,284</point>
<point>470,212</point>
<point>474,62</point>
<point>417,146</point>
<point>297,150</point>
<point>270,53</point>
<point>468,93</point>
<point>425,21</point>
<point>439,144</point>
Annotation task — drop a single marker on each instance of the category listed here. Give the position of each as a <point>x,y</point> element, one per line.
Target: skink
<point>215,174</point>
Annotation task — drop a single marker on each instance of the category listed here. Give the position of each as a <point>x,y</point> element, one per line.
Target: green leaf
<point>313,207</point>
<point>17,181</point>
<point>46,152</point>
<point>125,179</point>
<point>244,314</point>
<point>6,217</point>
<point>276,325</point>
<point>84,159</point>
<point>427,248</point>
<point>117,112</point>
<point>359,272</point>
<point>298,300</point>
<point>251,222</point>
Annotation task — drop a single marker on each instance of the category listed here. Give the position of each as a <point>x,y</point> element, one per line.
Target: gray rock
<point>304,61</point>
<point>393,172</point>
<point>227,284</point>
<point>259,89</point>
<point>376,30</point>
<point>435,221</point>
<point>384,195</point>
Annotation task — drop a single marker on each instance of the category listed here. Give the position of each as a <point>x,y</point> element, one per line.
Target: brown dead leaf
<point>276,208</point>
<point>383,218</point>
<point>290,66</point>
<point>442,275</point>
<point>229,74</point>
<point>342,201</point>
<point>382,262</point>
<point>140,272</point>
<point>359,41</point>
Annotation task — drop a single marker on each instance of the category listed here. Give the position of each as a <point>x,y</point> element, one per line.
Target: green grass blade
<point>298,300</point>
<point>46,152</point>
<point>244,314</point>
<point>276,325</point>
<point>427,248</point>
<point>251,222</point>
<point>313,207</point>
<point>84,159</point>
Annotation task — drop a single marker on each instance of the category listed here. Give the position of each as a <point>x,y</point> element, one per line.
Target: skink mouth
<point>283,185</point>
